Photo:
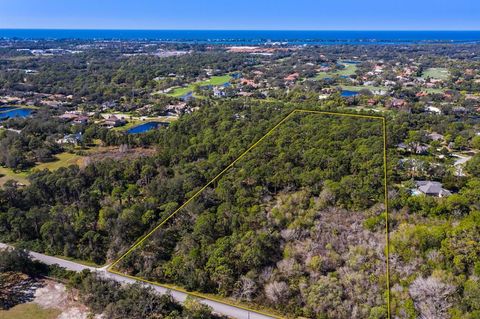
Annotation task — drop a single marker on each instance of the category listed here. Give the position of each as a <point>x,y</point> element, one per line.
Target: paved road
<point>218,307</point>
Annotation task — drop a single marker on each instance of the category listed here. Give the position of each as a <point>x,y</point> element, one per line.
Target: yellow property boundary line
<point>220,300</point>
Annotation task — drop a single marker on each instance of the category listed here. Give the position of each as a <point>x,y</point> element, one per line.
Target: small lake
<point>6,108</point>
<point>348,93</point>
<point>350,62</point>
<point>187,96</point>
<point>145,127</point>
<point>14,113</point>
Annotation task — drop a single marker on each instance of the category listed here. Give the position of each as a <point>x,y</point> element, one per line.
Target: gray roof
<point>432,188</point>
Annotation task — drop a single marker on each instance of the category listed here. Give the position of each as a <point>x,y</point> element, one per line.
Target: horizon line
<point>231,29</point>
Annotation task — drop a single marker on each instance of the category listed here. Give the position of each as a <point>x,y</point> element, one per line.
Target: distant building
<point>75,117</point>
<point>431,188</point>
<point>176,109</point>
<point>113,121</point>
<point>436,137</point>
<point>81,119</point>
<point>218,92</point>
<point>433,109</point>
<point>292,77</point>
<point>71,139</point>
<point>416,149</point>
<point>398,103</point>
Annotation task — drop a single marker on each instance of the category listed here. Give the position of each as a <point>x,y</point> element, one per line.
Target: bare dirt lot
<point>51,301</point>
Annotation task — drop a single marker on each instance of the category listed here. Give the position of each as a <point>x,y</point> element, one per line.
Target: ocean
<point>245,37</point>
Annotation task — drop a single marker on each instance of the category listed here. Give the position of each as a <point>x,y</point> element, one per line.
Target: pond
<point>6,108</point>
<point>15,113</point>
<point>145,127</point>
<point>348,93</point>
<point>187,96</point>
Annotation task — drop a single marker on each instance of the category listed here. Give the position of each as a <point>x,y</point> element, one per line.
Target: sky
<point>242,14</point>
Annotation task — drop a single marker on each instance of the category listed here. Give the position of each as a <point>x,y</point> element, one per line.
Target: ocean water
<point>244,37</point>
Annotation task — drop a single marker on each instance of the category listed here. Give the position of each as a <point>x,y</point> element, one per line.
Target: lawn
<point>433,90</point>
<point>357,88</point>
<point>29,311</point>
<point>63,160</point>
<point>436,73</point>
<point>8,174</point>
<point>347,71</point>
<point>214,80</point>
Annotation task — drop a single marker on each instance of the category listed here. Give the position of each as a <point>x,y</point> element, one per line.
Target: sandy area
<point>55,295</point>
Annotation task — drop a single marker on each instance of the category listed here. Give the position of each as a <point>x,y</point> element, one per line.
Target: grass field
<point>214,80</point>
<point>436,73</point>
<point>63,160</point>
<point>29,311</point>
<point>7,174</point>
<point>357,88</point>
<point>347,71</point>
<point>433,90</point>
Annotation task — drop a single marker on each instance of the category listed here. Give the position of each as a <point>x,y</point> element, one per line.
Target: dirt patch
<point>52,295</point>
<point>55,295</point>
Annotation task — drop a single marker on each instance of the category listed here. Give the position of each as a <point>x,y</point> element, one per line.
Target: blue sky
<point>242,14</point>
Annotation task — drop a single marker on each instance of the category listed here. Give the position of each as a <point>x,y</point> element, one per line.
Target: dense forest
<point>285,224</point>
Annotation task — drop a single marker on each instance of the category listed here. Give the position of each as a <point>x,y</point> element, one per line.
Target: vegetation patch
<point>29,310</point>
<point>7,174</point>
<point>239,237</point>
<point>61,160</point>
<point>214,81</point>
<point>436,73</point>
<point>348,70</point>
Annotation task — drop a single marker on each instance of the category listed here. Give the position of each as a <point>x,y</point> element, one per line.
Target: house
<point>436,137</point>
<point>430,188</point>
<point>459,110</point>
<point>389,83</point>
<point>81,119</point>
<point>109,105</point>
<point>176,109</point>
<point>71,139</point>
<point>398,103</point>
<point>415,149</point>
<point>74,116</point>
<point>433,109</point>
<point>68,116</point>
<point>248,82</point>
<point>113,121</point>
<point>218,92</point>
<point>292,77</point>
